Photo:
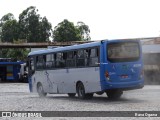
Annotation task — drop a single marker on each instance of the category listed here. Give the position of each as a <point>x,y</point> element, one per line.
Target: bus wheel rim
<point>81,91</point>
<point>40,89</point>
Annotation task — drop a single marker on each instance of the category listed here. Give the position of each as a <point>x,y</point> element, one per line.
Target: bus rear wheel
<point>81,92</point>
<point>71,94</point>
<point>40,90</point>
<point>114,94</point>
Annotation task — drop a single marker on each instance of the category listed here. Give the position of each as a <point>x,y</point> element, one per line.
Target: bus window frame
<point>124,59</point>
<point>74,57</point>
<point>31,71</point>
<point>43,62</point>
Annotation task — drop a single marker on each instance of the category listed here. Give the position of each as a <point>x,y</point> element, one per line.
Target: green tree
<point>15,53</point>
<point>3,20</point>
<point>28,24</point>
<point>66,31</point>
<point>10,31</point>
<point>84,30</point>
<point>33,28</point>
<point>45,29</point>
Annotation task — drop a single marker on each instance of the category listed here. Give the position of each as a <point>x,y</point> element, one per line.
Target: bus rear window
<point>123,52</point>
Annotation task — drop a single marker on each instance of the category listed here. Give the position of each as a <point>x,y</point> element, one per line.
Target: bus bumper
<point>123,85</point>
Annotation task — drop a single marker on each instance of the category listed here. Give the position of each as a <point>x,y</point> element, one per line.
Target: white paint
<point>64,80</point>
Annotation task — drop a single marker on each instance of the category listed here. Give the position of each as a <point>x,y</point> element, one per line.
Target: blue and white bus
<point>109,66</point>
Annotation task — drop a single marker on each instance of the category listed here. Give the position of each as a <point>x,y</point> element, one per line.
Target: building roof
<point>151,48</point>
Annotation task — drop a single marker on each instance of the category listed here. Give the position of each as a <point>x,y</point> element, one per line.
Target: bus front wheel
<point>81,92</point>
<point>40,90</point>
<point>114,94</point>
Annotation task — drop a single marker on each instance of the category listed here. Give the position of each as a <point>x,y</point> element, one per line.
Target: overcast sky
<point>107,19</point>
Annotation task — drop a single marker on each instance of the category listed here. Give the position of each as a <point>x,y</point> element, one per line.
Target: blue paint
<point>12,68</point>
<point>122,75</point>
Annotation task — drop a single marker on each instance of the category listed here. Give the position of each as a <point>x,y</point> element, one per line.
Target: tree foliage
<point>5,18</point>
<point>10,31</point>
<point>45,29</point>
<point>84,30</point>
<point>30,27</point>
<point>28,23</point>
<point>33,28</point>
<point>8,28</point>
<point>15,53</point>
<point>66,31</point>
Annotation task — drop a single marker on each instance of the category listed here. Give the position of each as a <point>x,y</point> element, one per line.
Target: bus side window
<point>86,56</point>
<point>44,61</point>
<point>93,56</point>
<point>71,59</point>
<point>57,60</point>
<point>41,62</point>
<point>31,66</point>
<point>60,61</point>
<point>80,58</point>
<point>97,52</point>
<point>37,62</point>
<point>49,61</point>
<point>54,60</point>
<point>63,60</point>
<point>75,54</point>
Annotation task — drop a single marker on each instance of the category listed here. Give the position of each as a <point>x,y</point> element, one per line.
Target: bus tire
<point>71,94</point>
<point>114,94</point>
<point>81,92</point>
<point>40,90</point>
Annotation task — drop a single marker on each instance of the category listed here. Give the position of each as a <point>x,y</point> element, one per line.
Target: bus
<point>107,66</point>
<point>10,70</point>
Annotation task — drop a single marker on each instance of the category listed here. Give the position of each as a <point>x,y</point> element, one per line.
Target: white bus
<point>97,67</point>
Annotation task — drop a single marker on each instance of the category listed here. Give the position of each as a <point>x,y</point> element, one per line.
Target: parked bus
<point>11,71</point>
<point>109,66</point>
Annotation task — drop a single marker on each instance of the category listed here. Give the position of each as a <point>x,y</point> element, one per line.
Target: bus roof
<point>73,47</point>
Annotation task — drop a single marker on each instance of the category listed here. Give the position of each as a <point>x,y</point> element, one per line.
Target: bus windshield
<point>123,52</point>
